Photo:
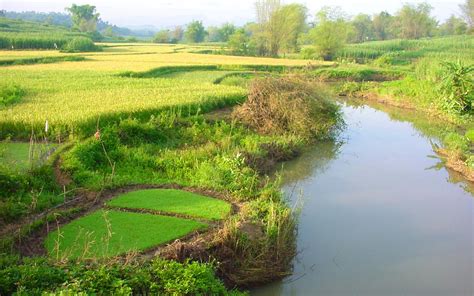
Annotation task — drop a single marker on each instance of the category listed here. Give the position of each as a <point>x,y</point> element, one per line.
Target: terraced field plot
<point>109,233</point>
<point>173,201</point>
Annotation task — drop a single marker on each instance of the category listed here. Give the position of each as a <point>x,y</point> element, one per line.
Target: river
<point>381,215</point>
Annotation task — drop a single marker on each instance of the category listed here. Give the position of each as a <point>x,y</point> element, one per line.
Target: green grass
<point>173,201</point>
<point>129,232</point>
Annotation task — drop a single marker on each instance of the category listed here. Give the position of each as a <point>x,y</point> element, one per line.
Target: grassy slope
<point>130,231</point>
<point>173,201</point>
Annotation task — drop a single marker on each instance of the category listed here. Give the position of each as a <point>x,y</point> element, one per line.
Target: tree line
<point>280,29</point>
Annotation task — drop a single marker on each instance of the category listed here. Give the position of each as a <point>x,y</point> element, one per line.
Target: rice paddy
<point>110,233</point>
<point>173,201</point>
<point>73,94</point>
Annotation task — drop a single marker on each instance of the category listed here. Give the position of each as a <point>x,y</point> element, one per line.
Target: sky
<point>168,13</point>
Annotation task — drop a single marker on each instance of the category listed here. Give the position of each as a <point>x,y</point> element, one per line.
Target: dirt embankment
<point>455,162</point>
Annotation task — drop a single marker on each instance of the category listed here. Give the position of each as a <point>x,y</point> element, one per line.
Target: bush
<point>288,105</point>
<point>81,44</point>
<point>160,277</point>
<point>10,94</point>
<point>309,53</point>
<point>457,87</point>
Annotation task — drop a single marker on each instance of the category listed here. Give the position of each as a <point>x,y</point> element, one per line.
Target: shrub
<point>457,87</point>
<point>10,94</point>
<point>288,105</point>
<point>309,53</point>
<point>81,44</point>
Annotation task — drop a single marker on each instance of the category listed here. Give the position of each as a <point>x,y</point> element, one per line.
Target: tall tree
<point>267,34</point>
<point>415,21</point>
<point>177,34</point>
<point>331,31</point>
<point>363,28</point>
<point>292,19</point>
<point>382,24</point>
<point>225,31</point>
<point>467,10</point>
<point>278,27</point>
<point>239,43</point>
<point>453,26</point>
<point>195,32</point>
<point>84,17</point>
<point>162,36</point>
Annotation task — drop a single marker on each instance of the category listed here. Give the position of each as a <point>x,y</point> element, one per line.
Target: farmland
<point>47,86</point>
<point>173,166</point>
<point>149,105</point>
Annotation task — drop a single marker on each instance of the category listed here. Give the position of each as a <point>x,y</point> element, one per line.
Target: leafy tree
<point>382,24</point>
<point>225,31</point>
<point>331,32</point>
<point>239,43</point>
<point>267,34</point>
<point>453,26</point>
<point>292,20</point>
<point>162,36</point>
<point>415,21</point>
<point>363,28</point>
<point>177,34</point>
<point>84,17</point>
<point>195,32</point>
<point>468,12</point>
<point>213,34</point>
<point>278,27</point>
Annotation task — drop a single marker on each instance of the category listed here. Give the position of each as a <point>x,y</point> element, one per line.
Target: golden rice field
<point>68,94</point>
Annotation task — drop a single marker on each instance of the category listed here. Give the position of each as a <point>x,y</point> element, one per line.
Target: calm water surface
<point>381,216</point>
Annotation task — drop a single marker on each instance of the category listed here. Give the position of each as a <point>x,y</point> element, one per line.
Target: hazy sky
<point>166,13</point>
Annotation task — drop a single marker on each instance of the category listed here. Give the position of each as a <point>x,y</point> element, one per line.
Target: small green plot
<point>109,233</point>
<point>19,156</point>
<point>174,201</point>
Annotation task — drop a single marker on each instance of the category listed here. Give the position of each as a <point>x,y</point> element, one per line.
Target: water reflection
<point>380,215</point>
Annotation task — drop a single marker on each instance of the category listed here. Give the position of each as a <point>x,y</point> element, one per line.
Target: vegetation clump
<point>157,277</point>
<point>288,105</point>
<point>10,94</point>
<point>81,44</point>
<point>457,87</point>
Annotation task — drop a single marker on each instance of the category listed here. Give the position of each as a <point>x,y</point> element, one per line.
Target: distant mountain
<point>64,20</point>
